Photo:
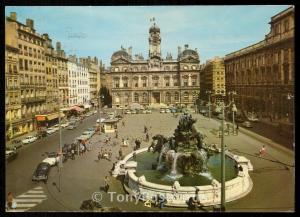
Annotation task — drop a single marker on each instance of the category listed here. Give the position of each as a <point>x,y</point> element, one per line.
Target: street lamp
<point>290,96</point>
<point>99,103</point>
<point>208,92</point>
<point>234,109</point>
<point>223,106</point>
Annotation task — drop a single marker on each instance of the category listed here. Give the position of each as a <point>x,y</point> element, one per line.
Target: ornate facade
<point>263,74</point>
<point>155,80</point>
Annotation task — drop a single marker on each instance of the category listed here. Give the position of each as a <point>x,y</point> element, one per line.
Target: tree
<point>107,99</point>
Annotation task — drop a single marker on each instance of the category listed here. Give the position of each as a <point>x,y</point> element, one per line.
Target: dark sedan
<point>41,172</point>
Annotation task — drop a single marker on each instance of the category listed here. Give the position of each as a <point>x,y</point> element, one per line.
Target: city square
<point>163,133</point>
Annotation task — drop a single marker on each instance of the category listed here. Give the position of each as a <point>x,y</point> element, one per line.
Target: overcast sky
<point>100,31</point>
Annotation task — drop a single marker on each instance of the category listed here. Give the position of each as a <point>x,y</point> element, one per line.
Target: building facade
<point>94,78</point>
<point>156,80</point>
<point>263,74</point>
<point>212,79</point>
<point>31,71</point>
<point>79,82</point>
<point>63,78</point>
<point>13,118</point>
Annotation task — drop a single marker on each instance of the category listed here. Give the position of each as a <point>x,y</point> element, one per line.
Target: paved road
<point>273,183</point>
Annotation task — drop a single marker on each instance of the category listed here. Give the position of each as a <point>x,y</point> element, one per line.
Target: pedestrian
<point>120,154</point>
<point>237,129</point>
<point>147,137</point>
<point>123,123</point>
<point>106,184</point>
<point>11,204</point>
<point>262,151</point>
<point>99,155</point>
<point>145,129</point>
<point>116,134</point>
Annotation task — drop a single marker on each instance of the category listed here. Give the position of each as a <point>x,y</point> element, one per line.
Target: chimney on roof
<point>58,46</point>
<point>13,16</point>
<point>130,51</point>
<point>186,46</point>
<point>29,23</point>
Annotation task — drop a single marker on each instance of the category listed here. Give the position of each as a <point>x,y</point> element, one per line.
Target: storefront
<point>48,120</point>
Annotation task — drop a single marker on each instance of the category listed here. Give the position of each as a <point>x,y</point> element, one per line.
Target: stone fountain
<point>186,161</point>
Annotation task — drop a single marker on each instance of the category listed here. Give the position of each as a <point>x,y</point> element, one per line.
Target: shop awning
<point>76,108</point>
<point>49,117</point>
<point>54,116</point>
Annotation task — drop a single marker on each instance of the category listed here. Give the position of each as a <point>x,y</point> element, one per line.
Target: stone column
<point>171,81</point>
<point>189,80</point>
<point>121,81</point>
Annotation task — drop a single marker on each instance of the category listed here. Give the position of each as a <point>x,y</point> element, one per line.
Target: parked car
<point>133,111</point>
<point>220,116</point>
<point>89,134</point>
<point>83,137</point>
<point>29,139</point>
<point>148,111</point>
<point>127,112</point>
<point>71,127</point>
<point>41,134</point>
<point>119,117</point>
<point>92,130</point>
<point>100,120</point>
<point>56,127</point>
<point>52,158</point>
<point>239,120</point>
<point>50,130</point>
<point>17,143</point>
<point>10,155</point>
<point>65,124</point>
<point>247,124</point>
<point>41,172</point>
<point>167,110</point>
<point>162,110</point>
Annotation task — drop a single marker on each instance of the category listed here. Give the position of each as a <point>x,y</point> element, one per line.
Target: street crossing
<point>29,199</point>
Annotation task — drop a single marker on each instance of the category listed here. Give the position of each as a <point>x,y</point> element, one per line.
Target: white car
<point>29,139</point>
<point>56,127</point>
<point>52,159</point>
<point>100,120</point>
<point>162,110</point>
<point>50,130</point>
<point>167,111</point>
<point>65,124</point>
<point>127,112</point>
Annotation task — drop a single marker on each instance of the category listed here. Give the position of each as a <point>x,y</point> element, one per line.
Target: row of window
<point>260,60</point>
<point>144,68</point>
<point>30,39</point>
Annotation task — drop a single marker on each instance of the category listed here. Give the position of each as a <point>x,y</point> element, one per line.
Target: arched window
<point>185,96</point>
<point>125,82</point>
<point>136,97</point>
<point>145,97</point>
<point>135,81</point>
<point>144,81</point>
<point>176,96</point>
<point>155,81</point>
<point>168,97</point>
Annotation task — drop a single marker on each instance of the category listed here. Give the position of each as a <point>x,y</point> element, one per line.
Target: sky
<point>101,30</point>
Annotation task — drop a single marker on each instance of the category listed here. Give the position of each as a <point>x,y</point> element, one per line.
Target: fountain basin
<point>235,188</point>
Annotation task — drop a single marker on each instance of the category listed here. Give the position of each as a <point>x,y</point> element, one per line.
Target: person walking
<point>237,129</point>
<point>106,184</point>
<point>262,151</point>
<point>120,154</point>
<point>123,123</point>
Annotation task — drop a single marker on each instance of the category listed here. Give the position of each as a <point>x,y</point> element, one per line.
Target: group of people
<point>105,154</point>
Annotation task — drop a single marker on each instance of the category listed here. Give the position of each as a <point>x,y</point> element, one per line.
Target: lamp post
<point>208,92</point>
<point>291,97</point>
<point>223,201</point>
<point>234,109</point>
<point>60,165</point>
